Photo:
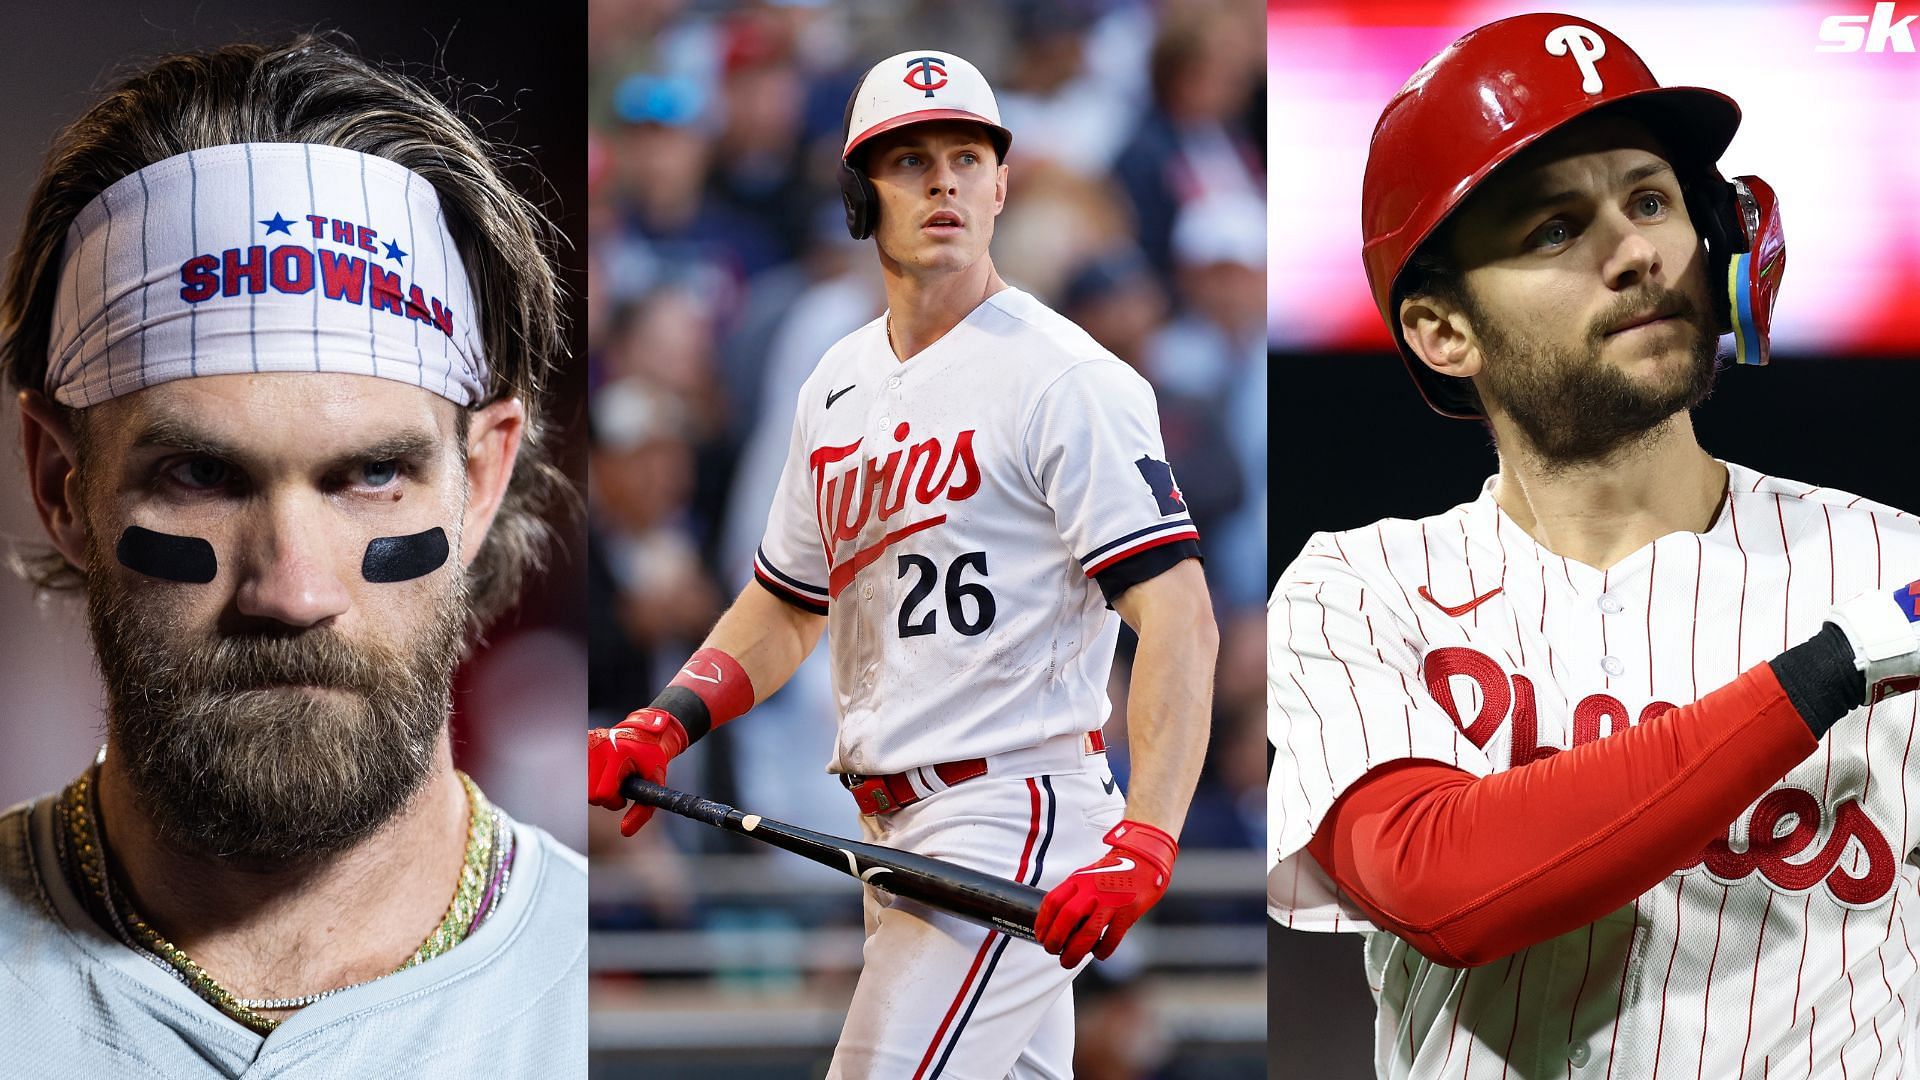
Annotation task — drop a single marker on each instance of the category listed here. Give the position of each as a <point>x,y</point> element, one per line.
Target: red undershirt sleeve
<point>1468,869</point>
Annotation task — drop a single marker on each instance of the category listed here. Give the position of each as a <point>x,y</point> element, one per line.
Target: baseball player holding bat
<point>1613,765</point>
<point>973,490</point>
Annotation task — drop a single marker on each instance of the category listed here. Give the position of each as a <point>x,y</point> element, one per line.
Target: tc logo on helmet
<point>927,73</point>
<point>1586,47</point>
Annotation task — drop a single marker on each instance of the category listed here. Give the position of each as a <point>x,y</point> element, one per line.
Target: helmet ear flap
<point>1715,212</point>
<point>856,191</point>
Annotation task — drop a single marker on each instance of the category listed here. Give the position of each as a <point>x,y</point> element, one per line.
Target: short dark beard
<point>1573,408</point>
<point>232,758</point>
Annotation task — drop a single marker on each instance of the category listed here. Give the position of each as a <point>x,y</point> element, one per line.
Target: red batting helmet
<point>1497,91</point>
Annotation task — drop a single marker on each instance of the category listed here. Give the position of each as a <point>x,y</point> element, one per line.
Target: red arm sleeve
<point>1470,869</point>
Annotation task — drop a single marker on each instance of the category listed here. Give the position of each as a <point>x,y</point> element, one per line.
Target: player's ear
<point>1441,335</point>
<point>493,445</point>
<point>49,444</point>
<point>999,188</point>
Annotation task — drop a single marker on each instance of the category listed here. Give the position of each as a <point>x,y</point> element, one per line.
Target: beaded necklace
<point>484,873</point>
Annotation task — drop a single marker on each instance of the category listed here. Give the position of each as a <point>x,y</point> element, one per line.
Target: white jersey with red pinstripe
<point>1786,949</point>
<point>948,514</point>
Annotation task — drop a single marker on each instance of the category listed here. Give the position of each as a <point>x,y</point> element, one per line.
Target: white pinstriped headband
<point>263,257</point>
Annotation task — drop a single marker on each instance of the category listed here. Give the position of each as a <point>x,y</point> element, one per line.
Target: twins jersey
<point>1782,950</point>
<point>949,513</point>
<point>509,1001</point>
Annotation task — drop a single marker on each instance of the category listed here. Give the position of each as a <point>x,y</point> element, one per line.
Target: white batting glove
<point>1883,627</point>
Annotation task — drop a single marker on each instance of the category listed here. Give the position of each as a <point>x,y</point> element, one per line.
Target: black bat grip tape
<point>677,802</point>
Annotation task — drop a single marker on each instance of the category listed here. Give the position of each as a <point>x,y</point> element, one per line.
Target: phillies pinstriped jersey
<point>948,515</point>
<point>1784,949</point>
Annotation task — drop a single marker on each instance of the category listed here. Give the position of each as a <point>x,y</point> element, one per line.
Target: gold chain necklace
<point>483,875</point>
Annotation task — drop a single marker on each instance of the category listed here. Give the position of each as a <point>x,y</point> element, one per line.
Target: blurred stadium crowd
<point>721,270</point>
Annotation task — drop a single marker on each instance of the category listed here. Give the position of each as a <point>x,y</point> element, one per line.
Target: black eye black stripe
<point>187,559</point>
<point>402,558</point>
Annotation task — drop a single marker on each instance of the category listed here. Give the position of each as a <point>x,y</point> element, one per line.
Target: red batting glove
<point>1096,906</point>
<point>641,744</point>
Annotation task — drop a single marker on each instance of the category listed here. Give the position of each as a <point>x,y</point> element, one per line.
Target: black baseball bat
<point>995,903</point>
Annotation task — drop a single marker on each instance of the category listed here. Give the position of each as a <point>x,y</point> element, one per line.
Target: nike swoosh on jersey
<point>1123,865</point>
<point>1108,784</point>
<point>836,395</point>
<point>1460,609</point>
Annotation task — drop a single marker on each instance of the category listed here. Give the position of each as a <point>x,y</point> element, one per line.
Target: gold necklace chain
<point>84,855</point>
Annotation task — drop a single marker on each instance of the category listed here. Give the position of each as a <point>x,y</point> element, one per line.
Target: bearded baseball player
<point>1612,766</point>
<point>974,488</point>
<point>278,328</point>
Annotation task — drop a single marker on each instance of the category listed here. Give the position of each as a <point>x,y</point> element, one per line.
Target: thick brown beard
<point>1573,408</point>
<point>232,752</point>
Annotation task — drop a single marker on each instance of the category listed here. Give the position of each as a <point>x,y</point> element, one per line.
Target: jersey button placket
<point>863,654</point>
<point>879,432</point>
<point>882,432</point>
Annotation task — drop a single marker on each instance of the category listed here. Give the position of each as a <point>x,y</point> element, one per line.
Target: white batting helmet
<point>912,87</point>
